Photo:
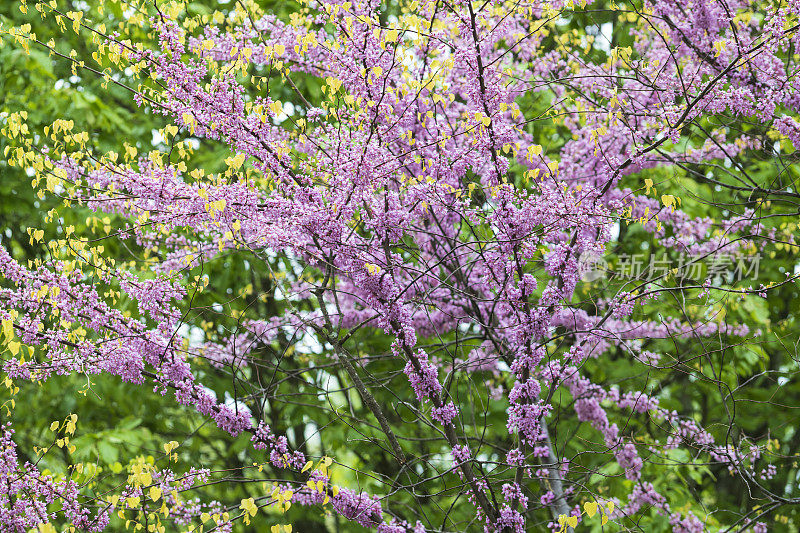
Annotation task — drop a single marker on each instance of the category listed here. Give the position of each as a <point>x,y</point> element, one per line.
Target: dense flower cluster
<point>405,191</point>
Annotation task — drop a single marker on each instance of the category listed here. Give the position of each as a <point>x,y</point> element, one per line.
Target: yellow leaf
<point>572,521</point>
<point>590,508</point>
<point>534,151</point>
<point>13,347</point>
<point>249,506</point>
<point>155,493</point>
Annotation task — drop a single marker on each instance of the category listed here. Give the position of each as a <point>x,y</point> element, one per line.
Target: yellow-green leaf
<point>590,508</point>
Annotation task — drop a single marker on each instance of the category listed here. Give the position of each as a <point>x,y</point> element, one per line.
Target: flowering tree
<point>386,285</point>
